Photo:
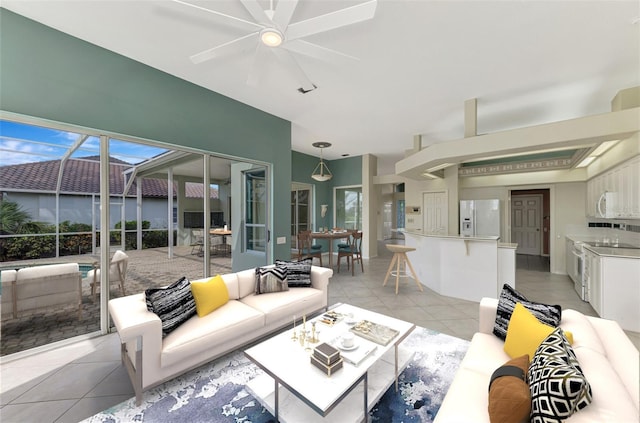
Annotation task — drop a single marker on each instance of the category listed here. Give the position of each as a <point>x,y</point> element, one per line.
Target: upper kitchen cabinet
<point>615,193</point>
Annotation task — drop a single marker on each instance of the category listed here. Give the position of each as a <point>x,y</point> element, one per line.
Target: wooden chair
<point>305,249</point>
<point>352,252</point>
<point>117,273</point>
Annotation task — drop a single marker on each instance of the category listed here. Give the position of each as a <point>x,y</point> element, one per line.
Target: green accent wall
<point>347,171</point>
<point>48,74</point>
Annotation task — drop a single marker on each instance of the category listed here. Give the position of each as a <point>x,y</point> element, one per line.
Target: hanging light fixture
<point>321,172</point>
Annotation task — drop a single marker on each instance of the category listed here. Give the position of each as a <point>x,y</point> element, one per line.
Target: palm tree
<point>15,220</point>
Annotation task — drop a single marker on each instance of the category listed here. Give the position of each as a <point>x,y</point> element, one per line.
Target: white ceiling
<point>527,62</point>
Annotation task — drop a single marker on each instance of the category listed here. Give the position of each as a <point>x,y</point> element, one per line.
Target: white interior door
<point>526,221</point>
<point>435,212</point>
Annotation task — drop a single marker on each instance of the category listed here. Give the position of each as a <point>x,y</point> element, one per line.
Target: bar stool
<point>400,257</point>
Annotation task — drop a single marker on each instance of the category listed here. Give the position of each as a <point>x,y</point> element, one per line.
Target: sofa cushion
<point>224,325</point>
<point>584,334</point>
<point>280,307</point>
<point>298,272</point>
<point>246,282</point>
<point>549,314</point>
<point>509,395</point>
<point>173,304</point>
<point>525,333</point>
<point>558,386</point>
<point>271,279</point>
<point>209,295</point>
<point>610,398</point>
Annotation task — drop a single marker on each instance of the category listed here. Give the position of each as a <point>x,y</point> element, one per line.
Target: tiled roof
<point>82,176</point>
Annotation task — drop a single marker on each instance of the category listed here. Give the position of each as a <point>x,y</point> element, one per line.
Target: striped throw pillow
<point>546,313</point>
<point>174,304</point>
<point>271,279</point>
<point>298,272</point>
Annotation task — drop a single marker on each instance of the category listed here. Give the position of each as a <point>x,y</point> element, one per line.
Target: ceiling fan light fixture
<point>271,37</point>
<point>321,172</point>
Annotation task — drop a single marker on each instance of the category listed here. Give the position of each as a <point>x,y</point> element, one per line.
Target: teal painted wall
<point>347,171</point>
<point>48,74</point>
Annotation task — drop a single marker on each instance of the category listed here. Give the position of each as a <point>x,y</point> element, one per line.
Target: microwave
<point>606,204</point>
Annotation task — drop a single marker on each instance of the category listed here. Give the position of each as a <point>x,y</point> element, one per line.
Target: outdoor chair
<point>117,273</point>
<point>198,242</point>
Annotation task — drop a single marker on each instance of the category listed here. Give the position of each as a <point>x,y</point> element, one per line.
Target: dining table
<point>223,247</point>
<point>330,235</point>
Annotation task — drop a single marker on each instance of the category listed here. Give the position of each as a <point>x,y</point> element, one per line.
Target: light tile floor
<point>73,382</point>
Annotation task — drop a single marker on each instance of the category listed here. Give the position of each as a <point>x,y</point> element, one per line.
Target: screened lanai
<point>51,185</point>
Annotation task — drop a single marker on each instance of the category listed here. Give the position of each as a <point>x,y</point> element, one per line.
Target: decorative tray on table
<point>330,318</point>
<point>380,334</point>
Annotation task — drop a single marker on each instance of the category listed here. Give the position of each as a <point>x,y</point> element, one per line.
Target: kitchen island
<point>463,267</point>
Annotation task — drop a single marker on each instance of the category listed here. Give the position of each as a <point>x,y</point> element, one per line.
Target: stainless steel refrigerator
<point>480,217</point>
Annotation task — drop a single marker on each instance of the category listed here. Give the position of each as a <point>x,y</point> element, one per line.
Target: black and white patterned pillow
<point>546,313</point>
<point>271,279</point>
<point>298,272</point>
<point>174,304</point>
<point>558,386</point>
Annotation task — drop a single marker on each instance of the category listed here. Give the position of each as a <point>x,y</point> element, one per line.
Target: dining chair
<point>306,249</point>
<point>352,252</point>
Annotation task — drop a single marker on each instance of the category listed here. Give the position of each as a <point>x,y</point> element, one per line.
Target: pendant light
<point>321,172</point>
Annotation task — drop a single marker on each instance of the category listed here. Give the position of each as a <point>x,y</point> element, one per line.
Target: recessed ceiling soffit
<point>555,160</point>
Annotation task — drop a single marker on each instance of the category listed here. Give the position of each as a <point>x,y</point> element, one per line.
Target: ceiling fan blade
<point>255,10</point>
<point>292,65</point>
<point>237,22</point>
<point>259,59</point>
<point>337,19</point>
<point>284,12</point>
<point>317,52</point>
<point>232,46</point>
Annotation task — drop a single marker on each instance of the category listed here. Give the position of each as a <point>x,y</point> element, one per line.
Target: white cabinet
<point>614,288</point>
<point>593,277</point>
<point>622,180</point>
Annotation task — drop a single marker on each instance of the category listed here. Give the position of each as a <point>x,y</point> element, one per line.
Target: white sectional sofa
<point>151,360</point>
<point>607,357</point>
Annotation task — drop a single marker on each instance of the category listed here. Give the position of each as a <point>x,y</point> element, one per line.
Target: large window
<point>349,207</point>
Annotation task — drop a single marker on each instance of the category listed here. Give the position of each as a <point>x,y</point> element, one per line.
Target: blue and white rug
<point>215,392</point>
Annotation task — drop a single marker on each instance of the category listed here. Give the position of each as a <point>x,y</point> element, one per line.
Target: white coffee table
<point>294,390</point>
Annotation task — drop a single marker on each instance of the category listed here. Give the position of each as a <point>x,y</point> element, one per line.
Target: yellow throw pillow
<point>209,295</point>
<point>525,333</point>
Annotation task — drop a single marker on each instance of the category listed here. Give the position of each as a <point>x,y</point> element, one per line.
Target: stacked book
<point>326,358</point>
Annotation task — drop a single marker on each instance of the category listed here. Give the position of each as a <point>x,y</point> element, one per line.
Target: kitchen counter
<point>603,250</point>
<point>632,253</point>
<point>463,267</point>
<point>461,237</point>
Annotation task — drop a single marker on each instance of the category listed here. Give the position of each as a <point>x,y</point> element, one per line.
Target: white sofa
<point>151,360</point>
<point>41,287</point>
<point>606,355</point>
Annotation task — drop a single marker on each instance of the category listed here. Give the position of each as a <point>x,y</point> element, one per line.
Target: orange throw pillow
<point>509,395</point>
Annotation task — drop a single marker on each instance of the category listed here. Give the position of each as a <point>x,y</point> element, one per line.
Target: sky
<point>22,143</point>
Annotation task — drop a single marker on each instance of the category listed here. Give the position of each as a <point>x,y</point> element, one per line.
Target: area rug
<point>215,392</point>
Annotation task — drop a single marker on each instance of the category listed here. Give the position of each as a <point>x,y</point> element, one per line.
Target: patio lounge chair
<point>117,273</point>
<point>40,287</point>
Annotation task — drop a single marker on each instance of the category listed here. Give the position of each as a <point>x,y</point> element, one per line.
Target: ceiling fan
<point>273,33</point>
